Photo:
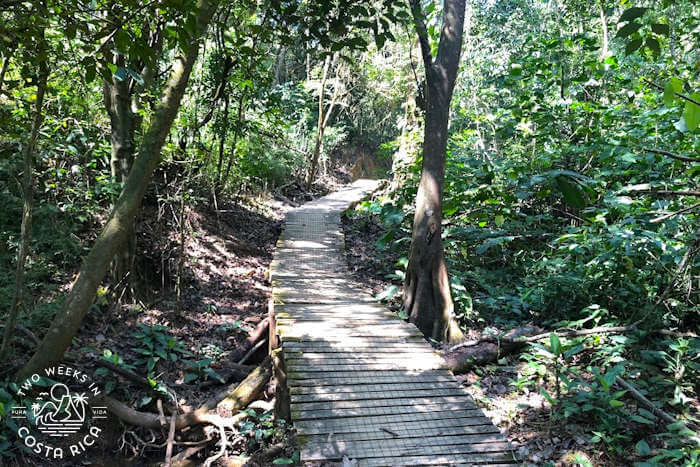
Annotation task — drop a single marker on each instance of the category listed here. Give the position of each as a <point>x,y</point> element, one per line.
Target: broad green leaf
<point>691,113</point>
<point>661,29</point>
<point>572,192</point>
<point>653,45</point>
<point>555,344</point>
<point>632,46</point>
<point>628,29</point>
<point>632,14</point>
<point>642,448</point>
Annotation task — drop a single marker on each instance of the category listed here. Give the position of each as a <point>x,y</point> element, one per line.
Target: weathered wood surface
<point>362,383</point>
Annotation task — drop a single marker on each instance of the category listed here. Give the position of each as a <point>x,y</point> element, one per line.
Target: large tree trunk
<point>28,189</point>
<point>427,297</point>
<point>67,322</point>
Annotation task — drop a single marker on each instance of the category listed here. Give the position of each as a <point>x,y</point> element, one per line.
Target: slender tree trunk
<point>427,297</point>
<point>236,134</point>
<point>3,70</point>
<point>28,189</point>
<point>319,128</point>
<point>67,322</point>
<point>222,142</point>
<point>117,99</point>
<point>605,51</point>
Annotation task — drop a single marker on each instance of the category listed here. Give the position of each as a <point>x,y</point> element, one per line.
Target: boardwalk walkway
<point>364,384</point>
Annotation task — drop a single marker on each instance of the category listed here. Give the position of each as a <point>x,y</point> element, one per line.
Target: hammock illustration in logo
<point>61,416</point>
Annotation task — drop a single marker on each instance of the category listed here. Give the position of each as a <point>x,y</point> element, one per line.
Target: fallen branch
<point>666,417</point>
<point>235,398</point>
<point>466,355</point>
<point>171,439</point>
<point>259,333</point>
<point>252,351</point>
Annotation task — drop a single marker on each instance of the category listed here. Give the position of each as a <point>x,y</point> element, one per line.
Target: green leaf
<point>615,403</point>
<point>642,448</point>
<point>670,92</point>
<point>189,377</point>
<point>135,75</point>
<point>572,192</point>
<point>628,29</point>
<point>691,113</point>
<point>661,29</point>
<point>632,46</point>
<point>387,293</point>
<point>555,344</point>
<point>639,419</point>
<point>516,69</point>
<point>282,461</point>
<point>632,14</point>
<point>121,74</point>
<point>653,45</point>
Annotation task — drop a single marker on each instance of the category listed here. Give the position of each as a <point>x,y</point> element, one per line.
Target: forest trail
<point>364,384</point>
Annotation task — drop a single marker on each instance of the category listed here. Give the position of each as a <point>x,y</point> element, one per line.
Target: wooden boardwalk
<point>364,385</point>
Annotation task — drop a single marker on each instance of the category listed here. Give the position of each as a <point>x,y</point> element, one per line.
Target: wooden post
<point>273,339</point>
<point>282,399</point>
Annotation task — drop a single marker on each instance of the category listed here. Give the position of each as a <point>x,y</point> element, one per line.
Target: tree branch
<point>665,192</point>
<point>418,20</point>
<point>673,214</point>
<point>682,96</point>
<point>673,156</point>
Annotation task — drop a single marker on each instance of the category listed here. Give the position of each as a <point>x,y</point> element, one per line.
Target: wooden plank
<point>457,401</point>
<point>415,421</point>
<point>319,330</point>
<point>306,378</point>
<point>411,386</point>
<point>392,410</point>
<point>442,459</point>
<point>351,307</point>
<point>359,350</point>
<point>394,391</point>
<point>336,449</point>
<point>470,434</point>
<point>362,359</point>
<point>339,321</point>
<point>363,341</point>
<point>294,367</point>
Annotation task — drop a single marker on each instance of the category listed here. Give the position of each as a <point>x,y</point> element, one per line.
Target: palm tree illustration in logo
<point>63,415</point>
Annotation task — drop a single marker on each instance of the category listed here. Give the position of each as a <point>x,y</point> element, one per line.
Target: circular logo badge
<point>57,416</point>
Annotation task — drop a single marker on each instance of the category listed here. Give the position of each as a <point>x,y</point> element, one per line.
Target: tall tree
<point>427,297</point>
<point>115,232</point>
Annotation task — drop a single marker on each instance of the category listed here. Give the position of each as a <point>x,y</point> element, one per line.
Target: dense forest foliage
<point>136,135</point>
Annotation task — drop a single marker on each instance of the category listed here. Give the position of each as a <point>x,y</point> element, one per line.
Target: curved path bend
<point>364,385</point>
